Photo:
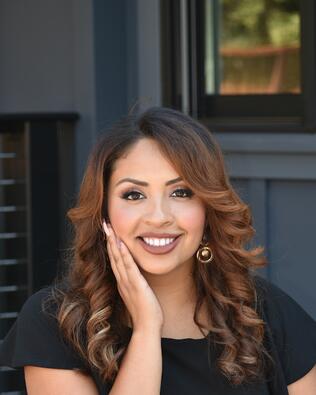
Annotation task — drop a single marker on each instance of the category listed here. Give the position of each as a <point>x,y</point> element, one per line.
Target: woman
<point>160,295</point>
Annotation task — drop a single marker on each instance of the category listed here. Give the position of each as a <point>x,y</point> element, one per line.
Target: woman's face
<point>152,210</point>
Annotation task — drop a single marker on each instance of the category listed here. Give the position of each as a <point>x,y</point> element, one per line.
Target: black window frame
<point>290,113</point>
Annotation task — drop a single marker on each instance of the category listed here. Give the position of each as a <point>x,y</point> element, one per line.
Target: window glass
<point>252,47</point>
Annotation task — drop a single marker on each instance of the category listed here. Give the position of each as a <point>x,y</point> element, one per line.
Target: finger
<point>112,262</point>
<point>129,269</point>
<point>116,274</point>
<point>117,257</point>
<point>105,228</point>
<point>114,246</point>
<point>132,270</point>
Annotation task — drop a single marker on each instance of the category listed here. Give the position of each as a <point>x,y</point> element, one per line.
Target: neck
<point>176,294</point>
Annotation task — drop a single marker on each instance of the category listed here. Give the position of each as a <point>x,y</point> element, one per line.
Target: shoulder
<point>291,331</point>
<point>35,301</point>
<point>36,339</point>
<point>278,306</point>
<point>38,315</point>
<point>267,290</point>
<point>40,305</point>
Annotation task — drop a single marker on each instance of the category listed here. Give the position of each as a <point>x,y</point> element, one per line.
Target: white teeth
<point>158,242</point>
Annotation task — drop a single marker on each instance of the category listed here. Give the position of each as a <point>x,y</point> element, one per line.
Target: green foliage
<point>247,23</point>
<point>284,28</point>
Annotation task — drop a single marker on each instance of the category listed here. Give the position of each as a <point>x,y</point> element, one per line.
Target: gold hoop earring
<point>204,254</point>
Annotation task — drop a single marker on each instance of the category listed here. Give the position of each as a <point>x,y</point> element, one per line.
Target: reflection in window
<point>252,46</point>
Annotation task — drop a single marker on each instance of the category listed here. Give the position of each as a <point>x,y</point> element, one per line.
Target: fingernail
<point>105,228</point>
<point>119,243</point>
<point>111,231</point>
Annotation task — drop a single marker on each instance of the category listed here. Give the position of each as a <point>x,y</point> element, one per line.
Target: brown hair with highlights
<point>90,310</point>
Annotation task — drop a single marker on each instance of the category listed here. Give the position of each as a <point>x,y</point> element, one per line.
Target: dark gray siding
<point>276,175</point>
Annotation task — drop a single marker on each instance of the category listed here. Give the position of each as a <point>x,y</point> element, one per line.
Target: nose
<point>158,213</point>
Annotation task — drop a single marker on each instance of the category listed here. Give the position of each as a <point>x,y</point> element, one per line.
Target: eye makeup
<point>133,194</point>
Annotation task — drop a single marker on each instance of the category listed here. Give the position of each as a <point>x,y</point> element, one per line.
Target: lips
<point>159,235</point>
<point>153,243</point>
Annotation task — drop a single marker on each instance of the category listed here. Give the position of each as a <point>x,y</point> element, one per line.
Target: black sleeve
<point>35,339</point>
<point>292,329</point>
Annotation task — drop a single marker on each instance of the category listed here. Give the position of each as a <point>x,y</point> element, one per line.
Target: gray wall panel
<point>278,172</point>
<point>284,215</point>
<point>149,58</point>
<point>110,60</point>
<point>36,50</point>
<point>292,218</point>
<point>47,63</point>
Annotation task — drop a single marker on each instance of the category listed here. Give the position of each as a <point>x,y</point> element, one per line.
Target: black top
<point>290,338</point>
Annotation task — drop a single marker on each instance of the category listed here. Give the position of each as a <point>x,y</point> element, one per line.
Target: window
<point>241,65</point>
<point>256,49</point>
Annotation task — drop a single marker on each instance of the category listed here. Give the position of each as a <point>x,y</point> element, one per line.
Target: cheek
<point>192,218</point>
<point>122,217</point>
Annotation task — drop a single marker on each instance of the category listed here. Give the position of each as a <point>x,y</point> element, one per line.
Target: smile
<point>158,242</point>
<point>161,245</point>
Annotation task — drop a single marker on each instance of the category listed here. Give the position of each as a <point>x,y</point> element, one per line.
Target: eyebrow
<point>145,184</point>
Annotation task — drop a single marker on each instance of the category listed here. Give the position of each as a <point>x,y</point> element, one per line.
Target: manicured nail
<point>105,228</point>
<point>119,243</point>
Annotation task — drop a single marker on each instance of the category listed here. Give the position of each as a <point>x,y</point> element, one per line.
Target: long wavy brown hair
<point>91,313</point>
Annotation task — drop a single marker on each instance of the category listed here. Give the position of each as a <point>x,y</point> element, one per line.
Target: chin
<point>158,271</point>
<point>158,266</point>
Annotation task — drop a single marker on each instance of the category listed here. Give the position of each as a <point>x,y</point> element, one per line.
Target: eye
<point>182,193</point>
<point>132,195</point>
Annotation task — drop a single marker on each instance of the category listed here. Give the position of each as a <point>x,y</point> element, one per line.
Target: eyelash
<point>185,191</point>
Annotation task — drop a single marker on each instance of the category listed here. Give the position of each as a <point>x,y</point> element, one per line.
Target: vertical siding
<point>276,176</point>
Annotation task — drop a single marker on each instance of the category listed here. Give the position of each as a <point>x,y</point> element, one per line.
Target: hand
<point>140,300</point>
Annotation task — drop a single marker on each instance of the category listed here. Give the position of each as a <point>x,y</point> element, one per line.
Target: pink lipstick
<point>160,249</point>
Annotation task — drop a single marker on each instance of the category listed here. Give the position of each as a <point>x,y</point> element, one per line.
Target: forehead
<point>143,159</point>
